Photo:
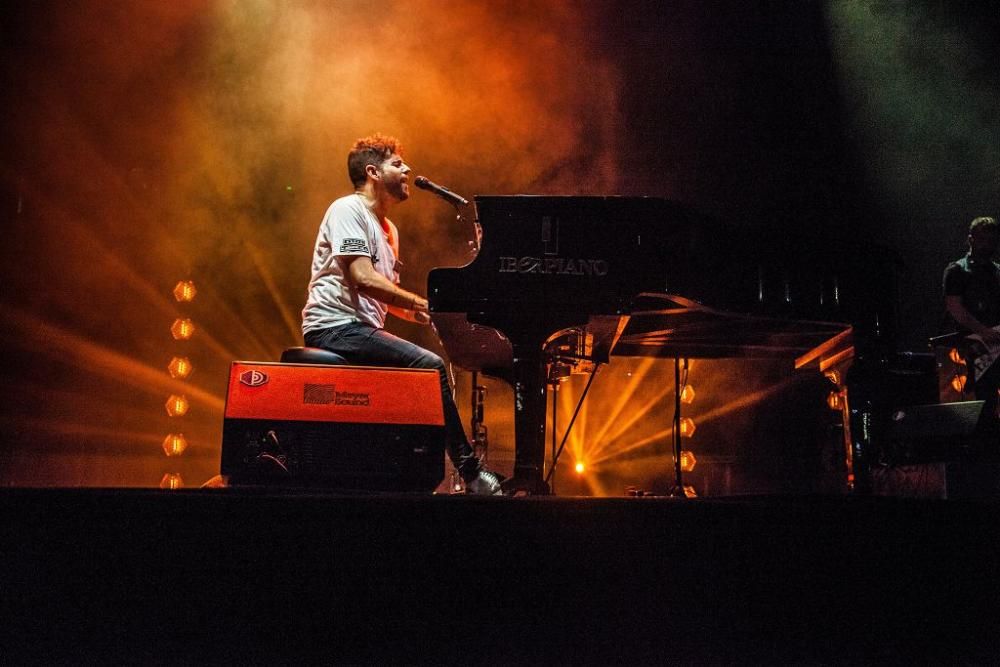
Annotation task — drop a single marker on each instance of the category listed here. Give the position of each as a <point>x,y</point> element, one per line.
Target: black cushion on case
<point>311,355</point>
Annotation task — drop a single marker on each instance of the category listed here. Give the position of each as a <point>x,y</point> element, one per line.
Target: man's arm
<point>420,317</point>
<point>962,315</point>
<point>402,303</point>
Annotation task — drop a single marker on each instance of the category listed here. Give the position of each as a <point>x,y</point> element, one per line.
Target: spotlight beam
<point>43,425</point>
<point>290,319</point>
<point>90,356</point>
<point>708,417</point>
<point>625,397</point>
<point>601,445</point>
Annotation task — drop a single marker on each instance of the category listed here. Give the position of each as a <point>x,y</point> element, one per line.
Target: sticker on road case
<point>253,378</point>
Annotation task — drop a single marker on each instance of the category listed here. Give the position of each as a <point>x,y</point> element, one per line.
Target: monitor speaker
<point>932,433</point>
<point>337,427</point>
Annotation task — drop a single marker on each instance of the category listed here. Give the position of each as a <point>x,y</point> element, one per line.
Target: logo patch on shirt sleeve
<point>354,245</point>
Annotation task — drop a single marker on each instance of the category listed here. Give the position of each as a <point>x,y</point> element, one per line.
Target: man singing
<point>355,282</point>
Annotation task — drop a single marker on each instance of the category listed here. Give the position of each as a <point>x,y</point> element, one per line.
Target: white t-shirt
<point>349,228</point>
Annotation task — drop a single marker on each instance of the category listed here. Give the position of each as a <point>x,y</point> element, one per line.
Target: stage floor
<point>241,575</point>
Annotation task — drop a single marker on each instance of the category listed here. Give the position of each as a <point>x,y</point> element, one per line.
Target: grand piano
<point>640,277</point>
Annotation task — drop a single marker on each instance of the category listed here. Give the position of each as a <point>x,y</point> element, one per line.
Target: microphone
<point>442,192</point>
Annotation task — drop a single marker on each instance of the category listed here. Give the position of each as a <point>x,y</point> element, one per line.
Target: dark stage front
<point>234,575</point>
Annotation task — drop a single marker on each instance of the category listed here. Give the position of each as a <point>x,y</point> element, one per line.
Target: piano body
<point>638,277</point>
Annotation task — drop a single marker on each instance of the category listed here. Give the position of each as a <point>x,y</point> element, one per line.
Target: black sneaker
<point>485,483</point>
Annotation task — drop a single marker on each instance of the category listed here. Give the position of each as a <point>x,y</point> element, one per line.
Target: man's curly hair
<point>375,150</point>
<point>986,222</point>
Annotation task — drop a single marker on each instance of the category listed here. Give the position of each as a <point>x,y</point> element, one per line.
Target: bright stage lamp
<point>177,406</point>
<point>958,383</point>
<point>833,400</point>
<point>688,461</point>
<point>182,329</point>
<point>185,291</point>
<point>579,467</point>
<point>175,444</point>
<point>687,394</point>
<point>687,427</point>
<point>956,357</point>
<point>180,367</point>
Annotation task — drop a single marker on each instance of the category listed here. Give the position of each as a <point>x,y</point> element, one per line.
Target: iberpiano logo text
<point>560,265</point>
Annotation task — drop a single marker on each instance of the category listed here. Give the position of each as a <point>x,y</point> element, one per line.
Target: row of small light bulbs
<point>688,459</point>
<point>180,368</point>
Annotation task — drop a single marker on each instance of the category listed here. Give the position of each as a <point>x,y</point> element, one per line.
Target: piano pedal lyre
<point>480,437</point>
<point>569,353</point>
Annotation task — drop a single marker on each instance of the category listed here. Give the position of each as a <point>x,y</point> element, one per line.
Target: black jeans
<point>364,345</point>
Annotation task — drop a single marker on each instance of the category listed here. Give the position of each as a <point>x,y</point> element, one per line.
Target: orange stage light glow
<point>177,406</point>
<point>687,394</point>
<point>579,467</point>
<point>833,400</point>
<point>182,329</point>
<point>688,460</point>
<point>185,291</point>
<point>172,481</point>
<point>956,357</point>
<point>687,427</point>
<point>180,367</point>
<point>175,444</point>
<point>958,383</point>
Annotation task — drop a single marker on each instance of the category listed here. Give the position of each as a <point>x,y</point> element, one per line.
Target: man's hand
<point>420,313</point>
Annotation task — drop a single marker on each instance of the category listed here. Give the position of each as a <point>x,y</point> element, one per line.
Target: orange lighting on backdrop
<point>175,444</point>
<point>180,367</point>
<point>185,291</point>
<point>833,400</point>
<point>172,481</point>
<point>182,329</point>
<point>177,406</point>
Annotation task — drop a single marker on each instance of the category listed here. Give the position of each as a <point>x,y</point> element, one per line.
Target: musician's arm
<point>418,316</point>
<point>402,303</point>
<point>962,315</point>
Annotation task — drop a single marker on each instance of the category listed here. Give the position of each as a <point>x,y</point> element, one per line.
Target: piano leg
<point>529,422</point>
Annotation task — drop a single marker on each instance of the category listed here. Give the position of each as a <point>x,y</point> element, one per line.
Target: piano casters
<point>677,490</point>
